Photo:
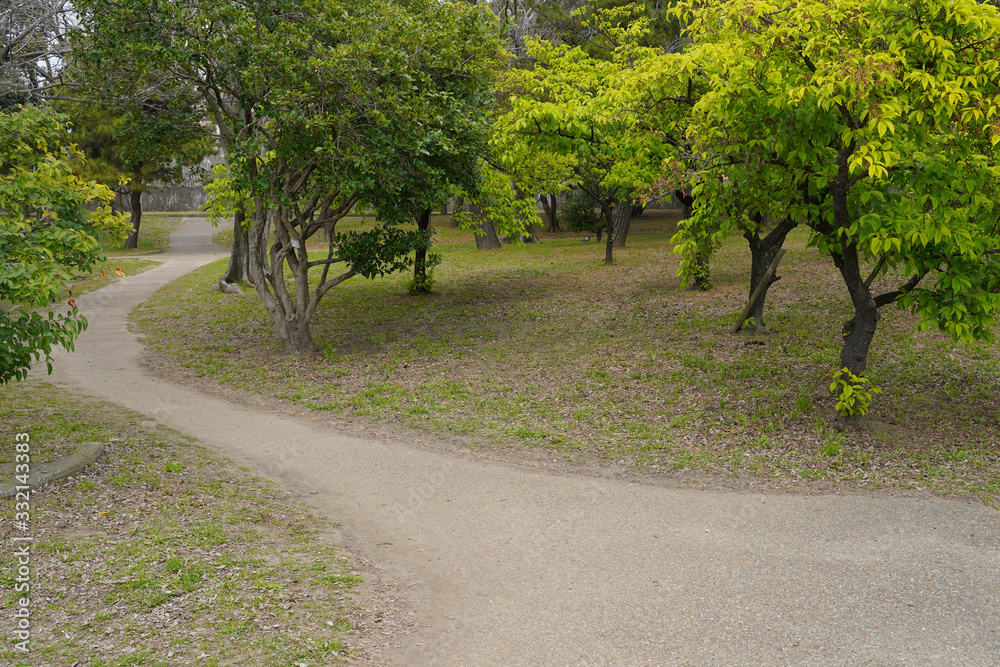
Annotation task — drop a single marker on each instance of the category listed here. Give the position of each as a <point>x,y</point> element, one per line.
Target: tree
<point>579,108</point>
<point>141,141</point>
<point>578,214</point>
<point>883,121</point>
<point>49,225</point>
<point>317,102</point>
<point>224,201</point>
<point>433,149</point>
<point>32,48</point>
<point>148,46</point>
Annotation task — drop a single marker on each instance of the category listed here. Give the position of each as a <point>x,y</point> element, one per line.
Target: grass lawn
<point>163,554</point>
<point>542,347</point>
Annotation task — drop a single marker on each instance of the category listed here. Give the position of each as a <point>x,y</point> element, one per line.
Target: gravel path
<point>508,565</point>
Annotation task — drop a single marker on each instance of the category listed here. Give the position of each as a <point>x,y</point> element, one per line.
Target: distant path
<point>510,566</point>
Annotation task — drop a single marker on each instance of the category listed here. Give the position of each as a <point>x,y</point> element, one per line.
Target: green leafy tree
<point>204,46</point>
<point>882,120</point>
<point>310,97</point>
<point>579,215</point>
<point>581,109</point>
<point>50,220</point>
<point>447,90</point>
<point>139,143</point>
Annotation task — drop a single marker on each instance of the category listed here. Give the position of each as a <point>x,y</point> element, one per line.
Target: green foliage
<point>854,392</point>
<point>876,123</point>
<point>578,213</point>
<point>324,106</point>
<point>28,337</point>
<point>500,196</point>
<point>223,198</point>
<point>138,141</point>
<point>50,220</point>
<point>578,25</point>
<point>380,251</point>
<point>594,115</point>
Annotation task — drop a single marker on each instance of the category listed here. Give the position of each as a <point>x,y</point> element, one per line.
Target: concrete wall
<point>186,196</point>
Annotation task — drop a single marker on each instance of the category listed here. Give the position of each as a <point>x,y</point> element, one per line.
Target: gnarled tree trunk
<point>762,253</point>
<point>290,318</point>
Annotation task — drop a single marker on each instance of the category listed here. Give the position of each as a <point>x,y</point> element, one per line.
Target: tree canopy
<point>877,124</point>
<point>582,110</point>
<point>323,105</point>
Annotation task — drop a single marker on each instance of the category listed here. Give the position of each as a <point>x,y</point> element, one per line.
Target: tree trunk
<point>133,236</point>
<point>291,323</point>
<point>488,239</point>
<point>532,236</point>
<point>549,205</point>
<point>859,331</point>
<point>622,215</point>
<point>609,224</point>
<point>239,258</point>
<point>762,253</point>
<point>420,258</point>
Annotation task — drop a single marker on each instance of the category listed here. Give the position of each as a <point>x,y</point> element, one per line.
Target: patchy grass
<point>163,554</point>
<point>105,274</point>
<point>223,238</point>
<point>543,347</point>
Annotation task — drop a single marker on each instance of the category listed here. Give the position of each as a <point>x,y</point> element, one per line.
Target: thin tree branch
<point>875,271</point>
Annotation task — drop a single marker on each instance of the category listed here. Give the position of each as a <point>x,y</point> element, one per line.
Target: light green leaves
<point>49,224</point>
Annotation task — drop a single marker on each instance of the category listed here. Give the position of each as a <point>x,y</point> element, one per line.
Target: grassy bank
<point>541,346</point>
<point>163,554</point>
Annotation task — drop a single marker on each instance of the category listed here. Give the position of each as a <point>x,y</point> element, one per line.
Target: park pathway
<point>508,565</point>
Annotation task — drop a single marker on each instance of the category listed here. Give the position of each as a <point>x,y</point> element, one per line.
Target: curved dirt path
<point>505,565</point>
